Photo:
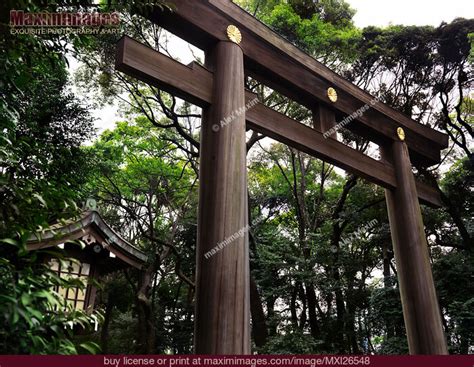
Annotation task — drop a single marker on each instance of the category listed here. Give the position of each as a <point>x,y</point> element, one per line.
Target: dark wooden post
<point>222,320</point>
<point>420,305</point>
<point>324,120</point>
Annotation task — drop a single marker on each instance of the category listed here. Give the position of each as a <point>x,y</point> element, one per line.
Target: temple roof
<point>90,228</point>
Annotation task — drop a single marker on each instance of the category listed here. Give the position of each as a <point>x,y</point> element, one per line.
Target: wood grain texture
<point>192,83</point>
<point>222,323</point>
<point>157,69</point>
<point>324,119</point>
<point>420,304</point>
<point>285,68</point>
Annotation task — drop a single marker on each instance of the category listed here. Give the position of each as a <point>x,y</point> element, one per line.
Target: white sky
<point>410,12</point>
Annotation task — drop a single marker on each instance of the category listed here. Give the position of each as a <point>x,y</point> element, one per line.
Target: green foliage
<point>456,297</point>
<point>457,185</point>
<point>121,337</point>
<point>324,29</point>
<point>292,341</point>
<point>42,127</point>
<point>42,168</point>
<point>471,54</point>
<point>290,257</point>
<point>326,33</point>
<point>386,320</point>
<point>134,162</point>
<point>35,319</point>
<point>142,180</point>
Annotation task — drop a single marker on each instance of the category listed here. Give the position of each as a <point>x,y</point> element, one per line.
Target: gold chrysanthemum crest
<point>233,33</point>
<point>401,134</point>
<point>332,94</point>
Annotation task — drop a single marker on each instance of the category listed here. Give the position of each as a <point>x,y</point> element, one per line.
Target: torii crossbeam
<point>236,44</point>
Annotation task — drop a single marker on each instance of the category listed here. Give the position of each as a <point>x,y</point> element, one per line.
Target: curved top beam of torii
<point>285,68</point>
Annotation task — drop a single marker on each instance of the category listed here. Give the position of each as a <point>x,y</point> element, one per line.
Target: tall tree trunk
<point>335,238</point>
<point>104,332</point>
<point>387,283</point>
<point>340,311</point>
<point>146,322</point>
<point>303,317</point>
<point>272,325</point>
<point>312,304</point>
<point>350,321</point>
<point>293,311</point>
<point>259,326</point>
<point>465,336</point>
<point>303,224</point>
<point>338,294</point>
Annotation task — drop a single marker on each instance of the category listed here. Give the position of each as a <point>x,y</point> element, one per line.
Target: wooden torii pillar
<point>222,317</point>
<point>236,44</point>
<point>419,301</point>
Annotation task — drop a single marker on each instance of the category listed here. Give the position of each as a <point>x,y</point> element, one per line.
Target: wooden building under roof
<point>103,252</point>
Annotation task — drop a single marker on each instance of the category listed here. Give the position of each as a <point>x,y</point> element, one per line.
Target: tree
<point>324,29</point>
<point>42,169</point>
<point>147,188</point>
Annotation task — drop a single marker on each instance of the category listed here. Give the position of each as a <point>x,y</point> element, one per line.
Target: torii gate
<point>236,44</point>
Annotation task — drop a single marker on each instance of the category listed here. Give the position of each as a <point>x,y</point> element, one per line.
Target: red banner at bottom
<point>236,361</point>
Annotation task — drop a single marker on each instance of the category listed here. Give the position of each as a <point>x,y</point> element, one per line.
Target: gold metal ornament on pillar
<point>332,94</point>
<point>233,33</point>
<point>401,134</point>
